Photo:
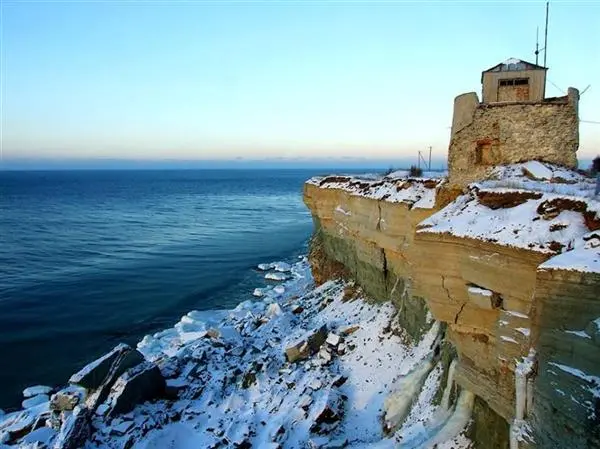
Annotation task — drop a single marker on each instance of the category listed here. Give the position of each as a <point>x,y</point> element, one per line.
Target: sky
<point>253,80</point>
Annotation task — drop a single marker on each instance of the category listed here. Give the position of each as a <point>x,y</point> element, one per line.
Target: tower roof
<point>513,65</point>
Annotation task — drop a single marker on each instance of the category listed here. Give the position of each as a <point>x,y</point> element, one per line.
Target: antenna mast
<point>546,34</point>
<point>537,44</point>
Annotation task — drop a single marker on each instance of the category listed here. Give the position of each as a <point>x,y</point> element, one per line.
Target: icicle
<point>449,383</point>
<point>441,431</point>
<point>523,397</point>
<point>529,403</point>
<point>397,405</point>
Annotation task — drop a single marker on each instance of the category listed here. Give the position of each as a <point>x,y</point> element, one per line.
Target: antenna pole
<point>546,34</point>
<point>537,44</point>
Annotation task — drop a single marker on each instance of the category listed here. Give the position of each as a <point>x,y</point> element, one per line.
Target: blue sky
<point>224,80</point>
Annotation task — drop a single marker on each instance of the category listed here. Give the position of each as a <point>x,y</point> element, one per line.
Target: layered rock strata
<point>486,265</point>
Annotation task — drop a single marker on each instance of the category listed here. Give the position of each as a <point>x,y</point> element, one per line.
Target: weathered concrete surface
<point>495,303</point>
<point>566,410</point>
<point>373,243</point>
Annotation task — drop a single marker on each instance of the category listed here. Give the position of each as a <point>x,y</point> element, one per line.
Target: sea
<point>89,259</point>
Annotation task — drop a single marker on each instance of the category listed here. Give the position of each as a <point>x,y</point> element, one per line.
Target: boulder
<point>138,384</point>
<point>307,345</point>
<point>65,400</point>
<point>328,412</point>
<point>75,429</point>
<point>95,374</point>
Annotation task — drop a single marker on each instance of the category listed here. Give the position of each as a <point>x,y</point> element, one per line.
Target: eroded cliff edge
<point>512,269</point>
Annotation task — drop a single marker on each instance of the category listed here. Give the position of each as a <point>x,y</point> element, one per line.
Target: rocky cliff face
<point>486,265</point>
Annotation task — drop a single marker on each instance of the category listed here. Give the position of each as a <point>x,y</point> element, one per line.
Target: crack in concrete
<point>446,289</point>
<point>459,312</point>
<point>450,299</point>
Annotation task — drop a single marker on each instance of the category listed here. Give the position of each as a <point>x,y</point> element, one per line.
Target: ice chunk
<point>258,292</point>
<point>277,276</point>
<point>273,310</point>
<point>35,400</point>
<point>265,266</point>
<point>280,289</point>
<point>282,267</point>
<point>43,435</point>
<point>35,390</point>
<point>333,339</point>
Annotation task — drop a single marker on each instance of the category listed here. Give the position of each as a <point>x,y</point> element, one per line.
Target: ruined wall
<point>566,405</point>
<point>485,135</point>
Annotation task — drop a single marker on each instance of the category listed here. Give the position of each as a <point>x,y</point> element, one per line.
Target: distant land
<point>437,163</point>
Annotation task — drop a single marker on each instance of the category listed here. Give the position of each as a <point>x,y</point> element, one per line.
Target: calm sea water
<point>92,258</point>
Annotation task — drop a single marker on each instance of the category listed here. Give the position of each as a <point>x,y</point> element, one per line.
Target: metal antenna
<point>546,34</point>
<point>537,44</point>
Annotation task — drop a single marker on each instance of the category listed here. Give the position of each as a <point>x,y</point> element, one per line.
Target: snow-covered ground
<point>535,206</point>
<point>418,193</point>
<point>236,387</point>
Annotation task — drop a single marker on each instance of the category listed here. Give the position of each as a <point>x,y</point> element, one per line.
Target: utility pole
<point>429,158</point>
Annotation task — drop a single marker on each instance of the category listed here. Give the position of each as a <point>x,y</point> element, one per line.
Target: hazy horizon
<point>197,81</point>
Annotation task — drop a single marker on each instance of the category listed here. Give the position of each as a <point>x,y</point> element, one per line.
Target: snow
<point>280,406</point>
<point>560,233</point>
<point>333,339</point>
<point>520,226</point>
<point>512,61</point>
<point>582,334</point>
<point>585,257</point>
<point>577,373</point>
<point>35,390</point>
<point>517,314</point>
<point>538,170</point>
<point>418,193</point>
<point>282,267</point>
<point>78,376</point>
<point>508,339</point>
<point>235,384</point>
<point>277,276</point>
<point>549,179</point>
<point>342,211</point>
<point>35,400</point>
<point>43,435</point>
<point>590,383</point>
<point>480,291</point>
<point>524,330</point>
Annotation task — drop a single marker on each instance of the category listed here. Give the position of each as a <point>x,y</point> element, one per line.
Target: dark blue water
<point>92,258</point>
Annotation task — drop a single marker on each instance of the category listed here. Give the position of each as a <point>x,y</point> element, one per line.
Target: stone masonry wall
<point>484,135</point>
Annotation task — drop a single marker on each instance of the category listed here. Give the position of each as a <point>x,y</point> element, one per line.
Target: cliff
<point>510,268</point>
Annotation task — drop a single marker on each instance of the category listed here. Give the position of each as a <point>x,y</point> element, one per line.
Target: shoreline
<point>230,378</point>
